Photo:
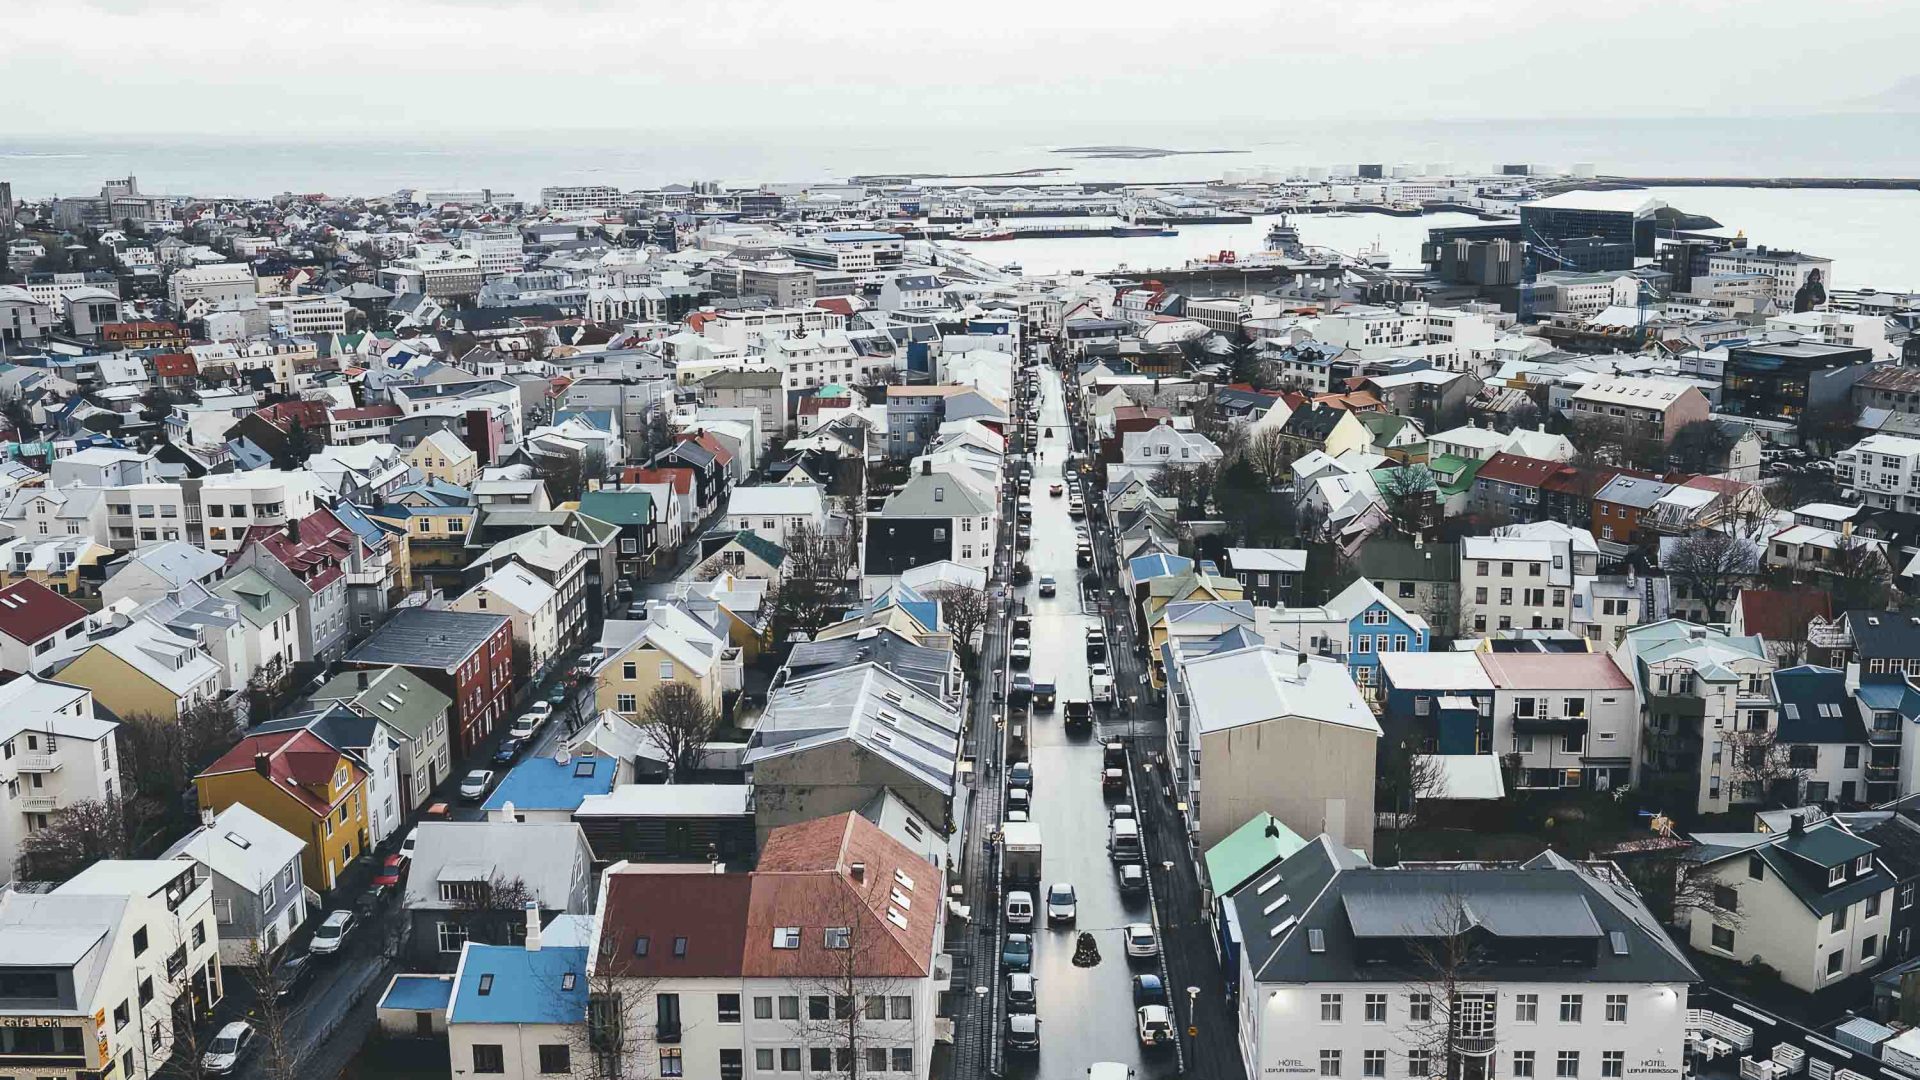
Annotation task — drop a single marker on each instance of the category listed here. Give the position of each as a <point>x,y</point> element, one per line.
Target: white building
<point>774,510</point>
<point>1507,584</point>
<point>740,330</point>
<point>214,284</point>
<point>498,251</point>
<point>532,605</point>
<point>1789,270</point>
<point>1881,471</point>
<point>57,753</point>
<point>1861,331</point>
<point>1334,975</point>
<point>1568,719</point>
<point>232,503</point>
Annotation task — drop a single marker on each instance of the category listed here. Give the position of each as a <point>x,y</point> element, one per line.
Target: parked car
<point>1019,908</point>
<point>1023,1032</point>
<point>391,871</point>
<point>1117,811</point>
<point>559,695</point>
<point>525,726</point>
<point>407,845</point>
<point>508,750</point>
<point>474,787</point>
<point>1062,903</point>
<point>1156,1025</point>
<point>1076,507</point>
<point>1021,996</point>
<point>291,975</point>
<point>227,1048</point>
<point>332,932</point>
<point>1020,653</point>
<point>1017,952</point>
<point>1113,781</point>
<point>1133,879</point>
<point>1141,944</point>
<point>540,710</point>
<point>1022,689</point>
<point>1148,990</point>
<point>1019,798</point>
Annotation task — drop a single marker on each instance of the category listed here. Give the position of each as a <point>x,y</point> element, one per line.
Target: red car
<point>391,870</point>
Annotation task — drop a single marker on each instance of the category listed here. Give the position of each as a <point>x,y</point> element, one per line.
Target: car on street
<point>1019,908</point>
<point>1109,1070</point>
<point>1017,952</point>
<point>1016,815</point>
<point>227,1048</point>
<point>392,869</point>
<point>1156,1025</point>
<point>1076,507</point>
<point>1079,714</point>
<point>1044,692</point>
<point>1063,904</point>
<point>332,932</point>
<point>1141,944</point>
<point>473,786</point>
<point>1021,996</point>
<point>1055,490</point>
<point>1148,990</point>
<point>1023,1032</point>
<point>1020,774</point>
<point>589,660</point>
<point>540,710</point>
<point>1025,536</point>
<point>1113,781</point>
<point>1020,653</point>
<point>508,750</point>
<point>1133,879</point>
<point>1117,811</point>
<point>1049,585</point>
<point>525,726</point>
<point>558,696</point>
<point>1019,798</point>
<point>1021,691</point>
<point>1083,553</point>
<point>291,975</point>
<point>1096,643</point>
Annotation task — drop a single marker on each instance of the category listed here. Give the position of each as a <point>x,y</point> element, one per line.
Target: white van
<point>1123,840</point>
<point>1019,908</point>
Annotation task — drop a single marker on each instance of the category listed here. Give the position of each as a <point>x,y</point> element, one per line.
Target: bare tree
<point>1763,769</point>
<point>493,911</point>
<point>74,838</point>
<point>1451,1010</point>
<point>1861,578</point>
<point>1188,484</point>
<point>847,1002</point>
<point>965,610</point>
<point>1713,566</point>
<point>1271,454</point>
<point>269,1014</point>
<point>813,586</point>
<point>1407,495</point>
<point>679,723</point>
<point>611,1040</point>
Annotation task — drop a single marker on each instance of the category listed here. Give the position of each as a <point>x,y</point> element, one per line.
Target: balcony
<point>1475,1045</point>
<point>37,762</point>
<point>1883,774</point>
<point>39,804</point>
<point>1884,736</point>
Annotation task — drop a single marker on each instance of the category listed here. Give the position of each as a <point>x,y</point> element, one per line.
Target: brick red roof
<point>368,412</point>
<point>1514,469</point>
<point>709,910</point>
<point>839,305</point>
<point>699,319</point>
<point>175,365</point>
<point>316,551</point>
<point>681,479</point>
<point>1782,614</point>
<point>311,414</point>
<point>720,452</point>
<point>1554,671</point>
<point>299,763</point>
<point>29,612</point>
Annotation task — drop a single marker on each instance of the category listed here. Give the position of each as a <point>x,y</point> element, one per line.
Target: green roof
<point>1248,848</point>
<point>618,507</point>
<point>766,550</point>
<point>395,695</point>
<point>1469,468</point>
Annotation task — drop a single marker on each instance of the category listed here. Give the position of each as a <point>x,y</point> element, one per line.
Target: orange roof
<point>299,763</point>
<point>681,479</point>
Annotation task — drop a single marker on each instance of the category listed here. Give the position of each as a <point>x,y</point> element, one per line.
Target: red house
<point>466,656</point>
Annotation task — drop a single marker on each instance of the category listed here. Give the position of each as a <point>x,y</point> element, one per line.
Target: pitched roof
<point>512,984</point>
<point>1522,471</point>
<point>434,638</point>
<point>299,763</point>
<point>1553,671</point>
<point>29,611</point>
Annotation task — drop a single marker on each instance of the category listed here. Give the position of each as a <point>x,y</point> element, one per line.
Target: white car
<point>524,726</point>
<point>413,837</point>
<point>1156,1025</point>
<point>474,786</point>
<point>1062,904</point>
<point>1021,654</point>
<point>540,710</point>
<point>332,933</point>
<point>1141,944</point>
<point>227,1048</point>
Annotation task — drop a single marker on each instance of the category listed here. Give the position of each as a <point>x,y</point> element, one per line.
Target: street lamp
<point>1193,1019</point>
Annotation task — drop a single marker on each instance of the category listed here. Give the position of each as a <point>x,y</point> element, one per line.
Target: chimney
<point>926,468</point>
<point>1799,826</point>
<point>263,764</point>
<point>1305,663</point>
<point>859,872</point>
<point>293,530</point>
<point>206,816</point>
<point>533,926</point>
<point>360,679</point>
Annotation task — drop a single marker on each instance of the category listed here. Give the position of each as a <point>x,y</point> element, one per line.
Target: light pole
<point>1193,1022</point>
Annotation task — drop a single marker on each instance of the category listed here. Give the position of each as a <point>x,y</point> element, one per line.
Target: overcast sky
<point>408,66</point>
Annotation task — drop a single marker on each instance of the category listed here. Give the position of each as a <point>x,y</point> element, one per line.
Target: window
<point>122,1015</point>
<point>1869,948</point>
<point>200,933</point>
<point>451,936</point>
<point>817,1007</point>
<point>875,1007</point>
<point>1419,1063</point>
<point>729,1008</point>
<point>1329,1063</point>
<point>666,670</point>
<point>1570,1008</point>
<point>1526,1008</point>
<point>1420,1007</point>
<point>139,941</point>
<point>790,1007</point>
<point>1613,1063</point>
<point>629,671</point>
<point>820,1059</point>
<point>1906,896</point>
<point>1873,905</point>
<point>1523,1064</point>
<point>1330,1008</point>
<point>789,1059</point>
<point>839,937</point>
<point>146,991</point>
<point>902,1007</point>
<point>1567,1064</point>
<point>763,1008</point>
<point>731,1066</point>
<point>763,1060</point>
<point>1373,1063</point>
<point>626,703</point>
<point>1726,898</point>
<point>488,1058</point>
<point>555,1058</point>
<point>903,1059</point>
<point>1376,1009</point>
<point>1840,920</point>
<point>1756,868</point>
<point>876,1059</point>
<point>1723,938</point>
<point>1616,1008</point>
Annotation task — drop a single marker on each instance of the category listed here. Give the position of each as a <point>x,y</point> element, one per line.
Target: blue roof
<point>1890,695</point>
<point>356,519</point>
<point>418,993</point>
<point>908,599</point>
<point>508,984</point>
<point>1158,565</point>
<point>546,784</point>
<point>598,419</point>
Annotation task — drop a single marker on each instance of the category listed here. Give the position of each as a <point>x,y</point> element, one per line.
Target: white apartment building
<point>97,964</point>
<point>1571,719</point>
<point>583,197</point>
<point>232,503</point>
<point>740,331</point>
<point>531,604</point>
<point>56,753</point>
<point>304,316</point>
<point>1508,584</point>
<point>1452,338</point>
<point>498,251</point>
<point>1788,270</point>
<point>214,284</point>
<point>457,275</point>
<point>725,995</point>
<point>1704,692</point>
<point>1881,471</point>
<point>1861,331</point>
<point>1587,987</point>
<point>774,510</point>
<point>141,514</point>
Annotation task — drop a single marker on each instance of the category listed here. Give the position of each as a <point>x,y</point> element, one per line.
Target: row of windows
<point>1373,1063</point>
<point>1526,1008</point>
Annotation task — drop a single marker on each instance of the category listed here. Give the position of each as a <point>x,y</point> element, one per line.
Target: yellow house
<point>669,645</point>
<point>146,668</point>
<point>1192,585</point>
<point>53,561</point>
<point>300,783</point>
<point>442,456</point>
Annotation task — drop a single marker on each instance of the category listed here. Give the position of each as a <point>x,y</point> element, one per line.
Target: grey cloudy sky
<point>402,66</point>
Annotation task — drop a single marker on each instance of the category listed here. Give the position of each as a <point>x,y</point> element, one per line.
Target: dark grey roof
<point>1884,633</point>
<point>1381,559</point>
<point>1323,914</point>
<point>1815,707</point>
<point>923,668</point>
<point>419,637</point>
<point>1803,862</point>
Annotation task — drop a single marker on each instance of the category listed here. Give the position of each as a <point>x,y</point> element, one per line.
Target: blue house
<point>1439,703</point>
<point>517,1003</point>
<point>550,789</point>
<point>1357,626</point>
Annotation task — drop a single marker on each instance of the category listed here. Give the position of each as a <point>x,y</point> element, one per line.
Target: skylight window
<point>1282,926</point>
<point>896,918</point>
<point>486,985</point>
<point>1618,939</point>
<point>641,945</point>
<point>905,882</point>
<point>1276,905</point>
<point>1267,884</point>
<point>567,981</point>
<point>1317,941</point>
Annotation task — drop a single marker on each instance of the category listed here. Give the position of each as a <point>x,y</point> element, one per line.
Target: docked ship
<point>993,231</point>
<point>1375,255</point>
<point>1284,239</point>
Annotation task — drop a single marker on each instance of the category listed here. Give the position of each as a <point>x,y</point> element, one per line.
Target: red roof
<point>708,442</point>
<point>1720,484</point>
<point>681,479</point>
<point>708,910</point>
<point>174,365</point>
<point>298,762</point>
<point>29,612</point>
<point>1554,671</point>
<point>699,319</point>
<point>368,412</point>
<point>1782,614</point>
<point>1514,469</point>
<point>317,555</point>
<point>839,305</point>
<point>311,414</point>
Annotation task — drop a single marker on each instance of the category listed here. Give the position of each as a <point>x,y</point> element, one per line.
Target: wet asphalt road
<point>1086,1014</point>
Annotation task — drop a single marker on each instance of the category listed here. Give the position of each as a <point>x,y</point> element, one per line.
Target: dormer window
<point>1862,864</point>
<point>1836,875</point>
